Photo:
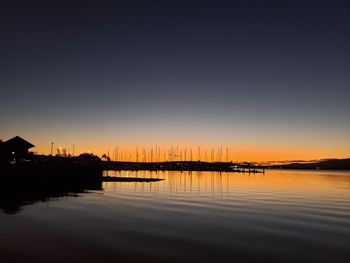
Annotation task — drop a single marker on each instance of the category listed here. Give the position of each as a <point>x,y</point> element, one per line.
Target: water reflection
<point>14,197</point>
<point>223,183</point>
<point>195,184</point>
<point>282,216</point>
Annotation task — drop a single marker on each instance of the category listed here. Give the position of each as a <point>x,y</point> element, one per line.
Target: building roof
<point>18,141</point>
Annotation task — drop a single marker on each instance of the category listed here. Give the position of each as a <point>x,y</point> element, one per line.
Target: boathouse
<point>15,149</point>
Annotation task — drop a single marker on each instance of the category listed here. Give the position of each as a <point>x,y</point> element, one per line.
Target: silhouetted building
<point>15,149</point>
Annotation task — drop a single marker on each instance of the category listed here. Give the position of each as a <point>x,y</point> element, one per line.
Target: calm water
<point>279,216</point>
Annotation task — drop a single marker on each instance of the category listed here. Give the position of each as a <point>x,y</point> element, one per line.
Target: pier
<point>185,166</point>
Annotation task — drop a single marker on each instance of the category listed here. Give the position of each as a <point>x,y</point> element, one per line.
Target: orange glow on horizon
<point>167,152</point>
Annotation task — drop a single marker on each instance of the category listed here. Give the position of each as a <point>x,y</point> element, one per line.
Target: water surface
<point>279,216</point>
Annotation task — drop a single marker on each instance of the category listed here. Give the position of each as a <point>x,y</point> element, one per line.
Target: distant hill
<point>330,164</point>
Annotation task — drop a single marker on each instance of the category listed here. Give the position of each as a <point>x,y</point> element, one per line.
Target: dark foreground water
<point>279,216</point>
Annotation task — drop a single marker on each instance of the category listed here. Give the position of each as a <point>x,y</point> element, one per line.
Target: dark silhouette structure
<point>330,164</point>
<point>15,149</point>
<point>185,166</point>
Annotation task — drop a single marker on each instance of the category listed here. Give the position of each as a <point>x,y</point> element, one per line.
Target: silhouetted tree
<point>105,157</point>
<point>89,157</point>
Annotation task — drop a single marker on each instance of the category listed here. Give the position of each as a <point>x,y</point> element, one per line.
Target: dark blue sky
<point>204,72</point>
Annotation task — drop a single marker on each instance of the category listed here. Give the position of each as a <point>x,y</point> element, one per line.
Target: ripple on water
<point>281,216</point>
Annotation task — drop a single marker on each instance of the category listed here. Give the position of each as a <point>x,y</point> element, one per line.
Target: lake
<point>279,216</point>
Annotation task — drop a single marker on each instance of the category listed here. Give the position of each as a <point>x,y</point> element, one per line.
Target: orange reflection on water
<point>324,183</point>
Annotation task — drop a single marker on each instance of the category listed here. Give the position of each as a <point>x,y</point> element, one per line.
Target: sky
<point>270,80</point>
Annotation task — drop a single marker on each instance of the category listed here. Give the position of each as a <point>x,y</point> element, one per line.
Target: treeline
<point>331,164</point>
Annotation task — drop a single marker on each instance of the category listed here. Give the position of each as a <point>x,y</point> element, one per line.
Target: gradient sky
<point>269,79</point>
